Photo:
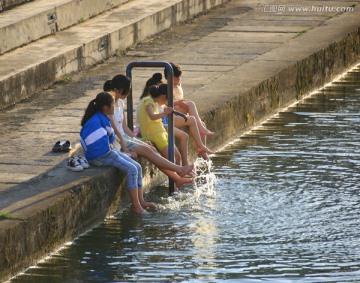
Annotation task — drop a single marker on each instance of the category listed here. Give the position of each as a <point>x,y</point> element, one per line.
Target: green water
<point>281,204</point>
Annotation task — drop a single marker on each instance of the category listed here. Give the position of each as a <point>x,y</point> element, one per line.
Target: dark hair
<point>176,70</point>
<point>96,105</point>
<point>120,82</point>
<point>154,80</point>
<point>107,86</point>
<point>156,91</point>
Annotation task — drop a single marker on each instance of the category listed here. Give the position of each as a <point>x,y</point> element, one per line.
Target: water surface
<point>281,204</point>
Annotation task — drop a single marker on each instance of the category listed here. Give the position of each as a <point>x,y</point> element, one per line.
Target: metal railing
<point>130,106</point>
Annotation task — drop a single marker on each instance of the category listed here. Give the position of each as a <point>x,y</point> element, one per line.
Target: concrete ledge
<point>46,221</point>
<point>45,61</point>
<point>41,18</point>
<point>255,104</point>
<point>10,4</point>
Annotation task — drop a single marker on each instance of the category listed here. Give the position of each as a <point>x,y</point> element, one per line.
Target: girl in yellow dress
<point>152,128</point>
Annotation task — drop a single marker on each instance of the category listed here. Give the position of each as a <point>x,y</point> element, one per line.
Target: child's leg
<point>201,125</point>
<point>136,205</point>
<point>140,197</point>
<point>133,173</point>
<point>144,204</point>
<point>132,168</point>
<point>203,139</point>
<point>194,131</point>
<point>183,147</point>
<point>163,164</point>
<point>178,156</point>
<point>179,181</point>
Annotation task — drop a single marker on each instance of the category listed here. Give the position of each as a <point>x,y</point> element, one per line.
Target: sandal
<point>66,146</point>
<point>58,146</point>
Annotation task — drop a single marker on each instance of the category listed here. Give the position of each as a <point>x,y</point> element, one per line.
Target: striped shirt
<point>96,136</point>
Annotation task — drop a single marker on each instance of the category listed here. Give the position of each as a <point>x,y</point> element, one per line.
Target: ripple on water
<point>280,205</point>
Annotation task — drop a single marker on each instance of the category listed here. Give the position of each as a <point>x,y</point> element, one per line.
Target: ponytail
<point>154,80</point>
<point>156,91</point>
<point>97,105</point>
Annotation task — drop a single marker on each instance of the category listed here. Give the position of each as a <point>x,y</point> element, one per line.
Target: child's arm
<point>182,106</point>
<point>127,130</point>
<point>153,116</point>
<point>119,135</point>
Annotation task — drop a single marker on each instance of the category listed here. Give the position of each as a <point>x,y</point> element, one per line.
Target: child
<point>155,79</point>
<point>153,129</point>
<point>96,137</point>
<point>180,135</point>
<point>119,88</point>
<point>151,126</point>
<point>186,107</point>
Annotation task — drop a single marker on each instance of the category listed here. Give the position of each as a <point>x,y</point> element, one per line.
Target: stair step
<point>41,18</point>
<point>25,70</point>
<point>10,4</point>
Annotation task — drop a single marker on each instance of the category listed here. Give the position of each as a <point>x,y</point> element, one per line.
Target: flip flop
<point>57,146</point>
<point>66,146</point>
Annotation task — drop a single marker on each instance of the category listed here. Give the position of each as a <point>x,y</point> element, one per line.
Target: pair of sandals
<point>62,146</point>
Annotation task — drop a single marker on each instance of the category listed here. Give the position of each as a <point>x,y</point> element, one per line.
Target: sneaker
<point>83,162</point>
<point>74,165</point>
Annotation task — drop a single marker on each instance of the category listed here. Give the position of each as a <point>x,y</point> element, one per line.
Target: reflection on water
<point>284,208</point>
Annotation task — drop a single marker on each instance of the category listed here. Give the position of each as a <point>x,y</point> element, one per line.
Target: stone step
<point>37,19</point>
<point>38,64</point>
<point>10,4</point>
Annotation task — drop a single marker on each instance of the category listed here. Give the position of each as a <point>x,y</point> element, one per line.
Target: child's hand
<point>133,155</point>
<point>168,110</point>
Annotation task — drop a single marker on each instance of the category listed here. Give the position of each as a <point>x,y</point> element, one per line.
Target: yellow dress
<point>152,130</point>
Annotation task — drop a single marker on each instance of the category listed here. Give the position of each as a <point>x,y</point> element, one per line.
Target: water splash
<point>193,196</point>
<point>205,179</point>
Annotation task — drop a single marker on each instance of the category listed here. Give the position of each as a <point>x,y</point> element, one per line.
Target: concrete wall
<point>9,4</point>
<point>63,214</point>
<point>49,18</point>
<point>250,108</point>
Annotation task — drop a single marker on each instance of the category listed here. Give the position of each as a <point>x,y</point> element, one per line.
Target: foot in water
<point>183,181</point>
<point>203,149</point>
<point>146,205</point>
<point>203,155</point>
<point>139,210</point>
<point>186,170</point>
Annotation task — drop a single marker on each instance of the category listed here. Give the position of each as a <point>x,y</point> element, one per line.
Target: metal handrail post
<point>130,106</point>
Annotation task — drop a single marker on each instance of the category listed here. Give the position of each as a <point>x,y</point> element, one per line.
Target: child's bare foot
<point>203,149</point>
<point>203,155</point>
<point>146,204</point>
<point>186,170</point>
<point>183,181</point>
<point>139,210</point>
<point>190,175</point>
<point>207,132</point>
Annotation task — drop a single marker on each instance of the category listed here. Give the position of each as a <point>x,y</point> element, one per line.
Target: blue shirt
<point>96,136</point>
